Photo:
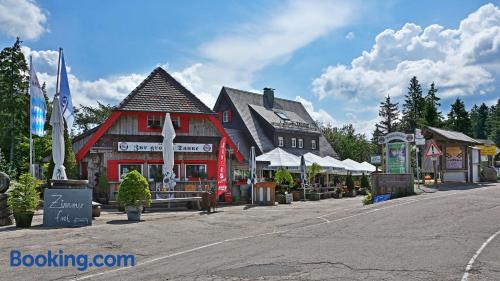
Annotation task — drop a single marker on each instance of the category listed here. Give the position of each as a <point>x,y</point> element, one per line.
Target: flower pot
<point>296,195</point>
<point>23,219</point>
<point>134,213</point>
<point>314,196</point>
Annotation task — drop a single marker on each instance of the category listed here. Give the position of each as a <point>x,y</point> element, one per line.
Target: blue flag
<point>38,109</point>
<point>65,97</point>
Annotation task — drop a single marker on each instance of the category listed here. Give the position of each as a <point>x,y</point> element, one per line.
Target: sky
<point>339,58</point>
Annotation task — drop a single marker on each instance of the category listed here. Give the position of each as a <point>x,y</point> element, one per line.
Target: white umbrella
<point>354,167</point>
<point>168,134</point>
<point>253,170</point>
<point>369,167</point>
<point>279,158</point>
<point>303,174</point>
<point>56,120</point>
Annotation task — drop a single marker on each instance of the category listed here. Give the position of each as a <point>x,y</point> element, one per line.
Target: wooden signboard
<point>67,207</point>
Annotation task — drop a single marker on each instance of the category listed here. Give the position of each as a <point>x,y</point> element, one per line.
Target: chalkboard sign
<point>67,207</point>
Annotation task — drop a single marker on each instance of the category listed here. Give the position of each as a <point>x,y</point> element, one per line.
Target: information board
<point>397,157</point>
<point>67,207</point>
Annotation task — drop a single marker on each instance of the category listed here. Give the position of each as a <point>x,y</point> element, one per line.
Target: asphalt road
<point>424,237</point>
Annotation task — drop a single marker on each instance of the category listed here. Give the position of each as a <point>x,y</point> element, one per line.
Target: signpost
<point>419,140</point>
<point>433,151</point>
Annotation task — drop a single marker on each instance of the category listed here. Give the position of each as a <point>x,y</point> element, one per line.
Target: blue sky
<point>338,57</point>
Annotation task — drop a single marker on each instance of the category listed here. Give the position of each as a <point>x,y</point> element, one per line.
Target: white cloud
<point>321,115</point>
<point>22,18</point>
<point>349,36</point>
<point>461,61</point>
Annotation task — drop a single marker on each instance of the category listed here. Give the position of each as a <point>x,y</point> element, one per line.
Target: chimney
<point>268,97</point>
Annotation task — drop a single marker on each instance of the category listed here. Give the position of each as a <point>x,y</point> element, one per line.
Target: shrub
<point>134,191</point>
<point>349,182</point>
<point>364,182</point>
<point>368,199</point>
<point>23,196</point>
<point>312,171</point>
<point>283,176</point>
<point>103,186</point>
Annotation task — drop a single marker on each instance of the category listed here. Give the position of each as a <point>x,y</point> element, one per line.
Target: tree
<point>15,102</point>
<point>312,171</point>
<point>88,117</point>
<point>69,155</point>
<point>347,143</point>
<point>493,123</point>
<point>413,106</point>
<point>390,114</point>
<point>479,117</point>
<point>431,114</point>
<point>458,118</point>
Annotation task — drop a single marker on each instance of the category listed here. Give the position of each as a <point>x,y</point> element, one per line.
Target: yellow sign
<point>488,150</point>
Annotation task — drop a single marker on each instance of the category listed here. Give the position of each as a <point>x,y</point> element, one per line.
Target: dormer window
<point>282,116</point>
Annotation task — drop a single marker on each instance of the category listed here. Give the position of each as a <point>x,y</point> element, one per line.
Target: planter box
<point>296,195</point>
<point>314,196</point>
<point>288,198</point>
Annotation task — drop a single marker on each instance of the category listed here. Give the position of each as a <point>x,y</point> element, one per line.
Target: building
<point>267,122</point>
<point>130,139</point>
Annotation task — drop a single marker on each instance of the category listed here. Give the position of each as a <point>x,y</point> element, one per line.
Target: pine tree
<point>69,156</point>
<point>14,105</point>
<point>389,113</point>
<point>431,114</point>
<point>413,106</point>
<point>479,117</point>
<point>494,123</point>
<point>458,118</point>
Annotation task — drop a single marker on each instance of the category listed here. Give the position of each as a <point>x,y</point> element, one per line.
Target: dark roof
<point>452,135</point>
<point>161,92</point>
<point>250,105</point>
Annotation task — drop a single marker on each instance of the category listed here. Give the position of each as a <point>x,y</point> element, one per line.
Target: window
<point>281,143</point>
<point>176,122</point>
<point>294,142</point>
<point>127,168</point>
<point>282,116</point>
<point>313,144</point>
<point>155,172</point>
<point>225,116</point>
<point>196,171</point>
<point>301,143</point>
<point>155,121</point>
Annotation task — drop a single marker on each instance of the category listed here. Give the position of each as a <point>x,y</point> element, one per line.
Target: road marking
<point>465,277</point>
<point>325,221</point>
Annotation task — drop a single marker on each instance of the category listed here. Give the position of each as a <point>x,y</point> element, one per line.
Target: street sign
<point>376,159</point>
<point>419,138</point>
<point>433,150</point>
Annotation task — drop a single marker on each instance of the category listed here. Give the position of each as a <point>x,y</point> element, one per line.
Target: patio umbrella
<point>369,167</point>
<point>338,167</point>
<point>278,158</point>
<point>253,169</point>
<point>354,167</point>
<point>303,174</point>
<point>57,122</point>
<point>168,134</point>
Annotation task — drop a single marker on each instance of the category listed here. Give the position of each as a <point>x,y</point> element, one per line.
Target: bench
<point>189,200</point>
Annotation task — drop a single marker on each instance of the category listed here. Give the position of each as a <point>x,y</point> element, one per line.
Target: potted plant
<point>283,178</point>
<point>134,194</point>
<point>24,199</point>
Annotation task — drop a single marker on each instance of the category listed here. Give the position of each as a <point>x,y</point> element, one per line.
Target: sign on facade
<point>454,157</point>
<point>158,147</point>
<point>433,150</point>
<point>488,150</point>
<point>396,136</point>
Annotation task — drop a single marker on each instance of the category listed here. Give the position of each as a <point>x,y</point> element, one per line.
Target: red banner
<point>221,168</point>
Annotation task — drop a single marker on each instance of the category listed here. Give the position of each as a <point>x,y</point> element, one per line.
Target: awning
<point>369,167</point>
<point>354,167</point>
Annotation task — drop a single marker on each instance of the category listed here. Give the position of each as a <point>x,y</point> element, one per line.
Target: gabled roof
<point>161,92</point>
<point>452,135</point>
<point>244,102</point>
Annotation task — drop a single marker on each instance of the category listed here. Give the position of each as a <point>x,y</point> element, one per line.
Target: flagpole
<point>31,122</point>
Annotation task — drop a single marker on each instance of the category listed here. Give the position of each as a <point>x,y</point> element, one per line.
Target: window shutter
<point>229,115</point>
<point>220,116</point>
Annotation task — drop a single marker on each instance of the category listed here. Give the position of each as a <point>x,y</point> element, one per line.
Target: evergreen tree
<point>494,123</point>
<point>458,118</point>
<point>389,113</point>
<point>88,117</point>
<point>14,105</point>
<point>431,114</point>
<point>479,117</point>
<point>69,156</point>
<point>413,106</point>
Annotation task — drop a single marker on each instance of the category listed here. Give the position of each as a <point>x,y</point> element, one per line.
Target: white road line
<point>465,277</point>
<point>325,221</point>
